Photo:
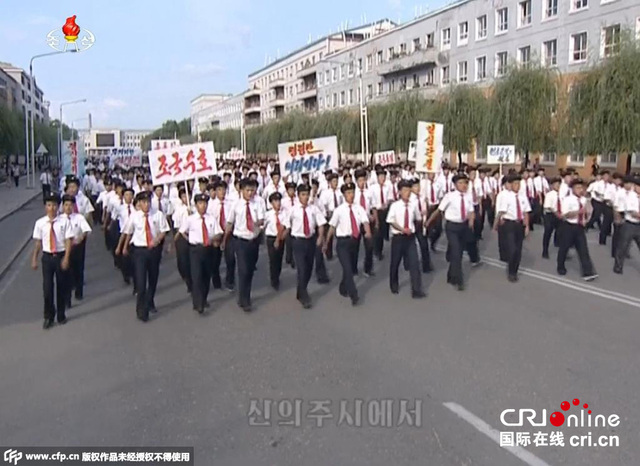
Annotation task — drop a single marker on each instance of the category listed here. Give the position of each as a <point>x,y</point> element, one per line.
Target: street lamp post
<point>29,148</point>
<point>60,135</point>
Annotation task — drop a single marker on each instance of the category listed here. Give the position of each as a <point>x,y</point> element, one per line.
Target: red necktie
<point>52,238</point>
<point>355,231</point>
<point>159,205</point>
<point>305,223</point>
<point>419,205</point>
<point>128,210</point>
<point>363,203</point>
<point>249,219</point>
<point>223,219</point>
<point>528,195</point>
<point>205,233</point>
<point>463,208</point>
<point>483,191</point>
<point>559,205</point>
<point>147,230</point>
<point>406,216</point>
<point>518,208</point>
<point>433,194</point>
<point>381,196</point>
<point>395,193</point>
<point>75,208</point>
<point>335,199</point>
<point>473,193</point>
<point>278,224</point>
<point>580,214</point>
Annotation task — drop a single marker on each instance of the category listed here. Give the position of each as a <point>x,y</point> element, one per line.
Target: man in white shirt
<point>331,198</point>
<point>629,208</point>
<point>301,225</point>
<point>52,236</point>
<point>81,229</point>
<point>382,197</point>
<point>180,213</point>
<point>202,231</point>
<point>402,218</point>
<point>275,221</point>
<point>423,242</point>
<point>145,233</point>
<point>365,200</point>
<point>220,207</point>
<point>552,211</point>
<point>346,223</point>
<point>514,213</point>
<point>504,190</point>
<point>45,182</point>
<point>575,216</point>
<point>433,192</point>
<point>617,204</point>
<point>244,223</point>
<point>610,189</point>
<point>457,209</point>
<point>121,216</point>
<point>595,192</point>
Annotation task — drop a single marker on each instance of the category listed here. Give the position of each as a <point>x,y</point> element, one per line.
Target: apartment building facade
<point>22,96</point>
<point>228,113</point>
<point>202,111</point>
<point>474,42</point>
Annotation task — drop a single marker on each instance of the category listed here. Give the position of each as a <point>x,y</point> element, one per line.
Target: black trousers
<point>488,212</point>
<point>478,223</point>
<point>460,238</point>
<point>321,266</point>
<point>304,253</point>
<point>146,268</point>
<point>16,181</point>
<point>246,252</point>
<point>381,233</point>
<point>502,244</point>
<point>52,271</point>
<point>596,214</point>
<point>275,260</point>
<point>46,189</point>
<point>329,254</point>
<point>435,230</point>
<point>514,232</point>
<point>534,217</point>
<point>628,232</point>
<point>403,249</point>
<point>551,225</point>
<point>347,251</point>
<point>289,259</point>
<point>183,260</point>
<point>214,266</point>
<point>607,221</point>
<point>368,252</point>
<point>200,264</point>
<point>423,244</point>
<point>615,239</point>
<point>574,236</point>
<point>76,269</point>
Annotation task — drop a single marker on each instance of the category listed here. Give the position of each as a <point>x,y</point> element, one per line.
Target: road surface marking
<point>486,429</point>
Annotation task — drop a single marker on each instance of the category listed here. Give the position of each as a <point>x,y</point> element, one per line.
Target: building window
<point>462,71</point>
<point>576,159</point>
<point>608,160</point>
<point>416,44</point>
<point>403,83</point>
<point>391,53</point>
<point>524,13</point>
<point>369,62</point>
<point>635,161</point>
<point>501,64</point>
<point>444,77</point>
<point>359,65</point>
<point>610,41</point>
<point>550,53</point>
<point>430,78</point>
<point>550,9</point>
<point>334,75</point>
<point>524,55</point>
<point>416,80</point>
<point>379,57</point>
<point>481,27</point>
<point>403,49</point>
<point>548,158</point>
<point>431,39</point>
<point>577,5</point>
<point>350,96</point>
<point>350,69</point>
<point>369,91</point>
<point>380,88</point>
<point>320,76</point>
<point>335,100</point>
<point>392,86</point>
<point>502,20</point>
<point>578,44</point>
<point>463,33</point>
<point>342,72</point>
<point>481,68</point>
<point>446,38</point>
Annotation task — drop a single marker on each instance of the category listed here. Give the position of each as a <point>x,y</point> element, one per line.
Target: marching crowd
<point>306,219</point>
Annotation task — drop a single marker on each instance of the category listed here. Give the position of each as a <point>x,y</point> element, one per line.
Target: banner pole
<point>186,187</point>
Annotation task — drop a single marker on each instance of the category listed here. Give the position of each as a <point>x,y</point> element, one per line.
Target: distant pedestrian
<point>15,174</point>
<point>45,180</point>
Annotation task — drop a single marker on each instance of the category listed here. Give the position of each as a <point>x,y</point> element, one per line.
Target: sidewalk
<point>12,198</point>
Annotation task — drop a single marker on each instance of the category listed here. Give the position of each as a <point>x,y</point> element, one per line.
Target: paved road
<point>183,379</point>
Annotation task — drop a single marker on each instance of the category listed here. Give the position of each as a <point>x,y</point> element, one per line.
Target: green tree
<point>463,115</point>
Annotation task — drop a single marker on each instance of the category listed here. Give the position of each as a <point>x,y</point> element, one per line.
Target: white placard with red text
<point>182,163</point>
<point>234,154</point>
<point>429,147</point>
<point>387,157</point>
<point>308,156</point>
<point>157,144</point>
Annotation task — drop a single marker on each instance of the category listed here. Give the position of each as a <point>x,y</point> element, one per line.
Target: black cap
<point>556,179</point>
<point>201,197</point>
<point>360,174</point>
<point>247,183</point>
<point>203,180</point>
<point>72,179</point>
<point>332,176</point>
<point>129,190</point>
<point>275,172</point>
<point>275,197</point>
<point>415,181</point>
<point>289,186</point>
<point>460,177</point>
<point>576,182</point>
<point>514,177</point>
<point>68,198</point>
<point>304,188</point>
<point>52,197</point>
<point>211,186</point>
<point>404,184</point>
<point>347,187</point>
<point>142,196</point>
<point>629,179</point>
<point>182,191</point>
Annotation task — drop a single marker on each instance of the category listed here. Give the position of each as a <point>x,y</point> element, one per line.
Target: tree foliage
<point>170,129</point>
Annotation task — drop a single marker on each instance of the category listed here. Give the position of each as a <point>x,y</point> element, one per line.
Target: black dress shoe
<point>562,271</point>
<point>512,278</point>
<point>143,318</point>
<point>247,308</point>
<point>324,280</point>
<point>419,295</point>
<point>127,281</point>
<point>48,323</point>
<point>275,286</point>
<point>307,305</point>
<point>343,293</point>
<point>153,310</point>
<point>200,311</point>
<point>460,286</point>
<point>617,270</point>
<point>545,255</point>
<point>68,305</point>
<point>207,305</point>
<point>355,301</point>
<point>395,291</point>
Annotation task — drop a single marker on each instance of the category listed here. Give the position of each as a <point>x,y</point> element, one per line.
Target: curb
<point>38,193</point>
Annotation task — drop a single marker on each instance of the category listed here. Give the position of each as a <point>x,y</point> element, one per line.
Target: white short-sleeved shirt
<point>451,206</point>
<point>295,222</point>
<point>628,202</point>
<point>61,229</point>
<point>192,228</point>
<point>270,223</point>
<point>238,217</point>
<point>364,197</point>
<point>162,204</point>
<point>571,204</point>
<point>136,227</point>
<point>381,196</point>
<point>180,213</point>
<point>331,199</point>
<point>509,206</point>
<point>610,191</point>
<point>341,219</point>
<point>123,212</point>
<point>397,213</point>
<point>289,202</point>
<point>78,225</point>
<point>432,192</point>
<point>551,201</point>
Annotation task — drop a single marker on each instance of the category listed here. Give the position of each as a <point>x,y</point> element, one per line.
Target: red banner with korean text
<point>182,163</point>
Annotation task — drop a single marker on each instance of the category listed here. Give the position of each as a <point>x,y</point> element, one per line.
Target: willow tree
<point>11,132</point>
<point>463,116</point>
<point>604,112</point>
<point>521,110</point>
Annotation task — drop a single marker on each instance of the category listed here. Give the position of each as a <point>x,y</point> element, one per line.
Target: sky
<point>151,58</point>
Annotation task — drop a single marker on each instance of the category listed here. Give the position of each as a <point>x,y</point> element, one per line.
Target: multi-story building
<point>227,114</point>
<point>102,141</point>
<point>202,111</point>
<point>25,97</point>
<point>9,92</point>
<point>290,82</point>
<point>474,42</point>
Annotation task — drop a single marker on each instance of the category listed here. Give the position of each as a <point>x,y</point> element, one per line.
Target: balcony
<point>250,109</point>
<point>278,82</point>
<point>308,92</point>
<point>277,101</point>
<point>308,70</point>
<point>252,92</point>
<point>420,58</point>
